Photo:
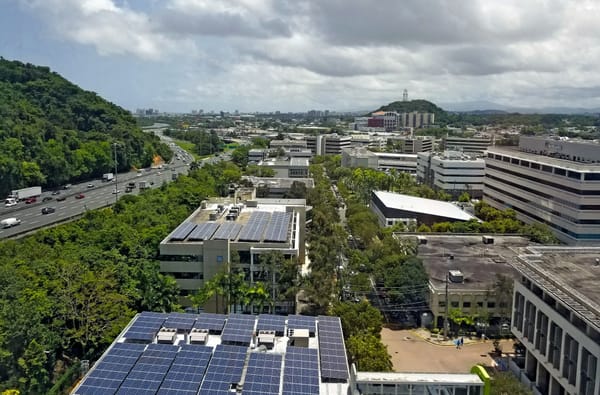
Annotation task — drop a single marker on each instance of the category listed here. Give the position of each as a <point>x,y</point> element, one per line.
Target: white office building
<point>327,144</point>
<point>475,145</point>
<point>452,172</point>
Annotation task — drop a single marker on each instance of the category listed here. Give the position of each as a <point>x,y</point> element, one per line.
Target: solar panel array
<point>302,322</point>
<point>203,231</point>
<point>238,330</point>
<point>227,231</point>
<point>269,322</point>
<point>213,322</point>
<point>180,321</point>
<point>183,231</point>
<point>225,368</point>
<point>334,365</point>
<point>255,227</point>
<point>301,373</point>
<point>263,375</point>
<point>187,371</point>
<point>145,327</point>
<point>110,372</point>
<point>149,371</point>
<point>277,230</point>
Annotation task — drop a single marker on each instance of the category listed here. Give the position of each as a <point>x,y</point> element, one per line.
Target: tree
<point>358,318</point>
<point>368,353</point>
<point>505,383</point>
<point>464,197</point>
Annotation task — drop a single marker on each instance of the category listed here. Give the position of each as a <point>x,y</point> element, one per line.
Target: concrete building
<point>392,208</point>
<point>573,150</point>
<point>556,316</point>
<point>380,383</point>
<point>277,188</point>
<point>452,172</point>
<point>391,120</point>
<point>203,244</point>
<point>477,145</point>
<point>327,144</point>
<point>358,157</point>
<point>563,194</point>
<point>287,168</point>
<point>362,157</point>
<point>413,145</point>
<point>287,144</point>
<point>256,155</point>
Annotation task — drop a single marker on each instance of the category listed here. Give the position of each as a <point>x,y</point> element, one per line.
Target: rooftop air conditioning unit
<point>456,276</point>
<point>266,338</point>
<point>487,239</point>
<point>198,336</point>
<point>166,336</point>
<point>298,337</point>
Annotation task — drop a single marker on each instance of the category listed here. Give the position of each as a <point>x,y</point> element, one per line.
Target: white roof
<point>423,206</point>
<point>432,378</point>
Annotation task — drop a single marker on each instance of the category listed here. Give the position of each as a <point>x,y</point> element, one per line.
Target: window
<point>479,304</point>
<point>441,303</point>
<point>219,258</point>
<point>559,171</point>
<point>454,304</point>
<point>491,305</point>
<point>467,304</point>
<point>535,166</point>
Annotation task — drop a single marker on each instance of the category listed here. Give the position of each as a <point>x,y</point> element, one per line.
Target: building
<point>561,193</point>
<point>256,155</point>
<point>556,316</point>
<point>379,383</point>
<point>287,144</point>
<point>327,144</point>
<point>452,172</point>
<point>203,244</point>
<point>213,354</point>
<point>278,188</point>
<point>358,157</point>
<point>574,150</point>
<point>476,145</point>
<point>412,145</point>
<point>361,157</point>
<point>417,119</point>
<point>391,120</point>
<point>469,266</point>
<point>294,167</point>
<point>392,208</point>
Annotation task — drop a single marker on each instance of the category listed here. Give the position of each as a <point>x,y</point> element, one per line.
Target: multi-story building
<point>416,119</point>
<point>556,316</point>
<point>295,167</point>
<point>573,150</point>
<point>256,155</point>
<point>203,244</point>
<point>327,144</point>
<point>476,145</point>
<point>561,193</point>
<point>288,144</point>
<point>413,145</point>
<point>452,172</point>
<point>361,157</point>
<point>391,120</point>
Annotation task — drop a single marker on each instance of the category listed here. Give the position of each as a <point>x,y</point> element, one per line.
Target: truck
<point>107,177</point>
<point>144,184</point>
<point>25,193</point>
<point>10,222</point>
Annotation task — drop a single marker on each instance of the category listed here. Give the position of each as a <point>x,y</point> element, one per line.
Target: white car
<point>115,191</point>
<point>10,222</point>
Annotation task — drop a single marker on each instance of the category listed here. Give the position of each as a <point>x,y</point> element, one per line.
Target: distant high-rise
<point>405,95</point>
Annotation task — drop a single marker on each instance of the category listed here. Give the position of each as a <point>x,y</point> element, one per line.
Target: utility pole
<point>446,314</point>
<point>116,182</point>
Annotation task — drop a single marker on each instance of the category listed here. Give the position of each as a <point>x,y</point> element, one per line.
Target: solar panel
<point>268,322</point>
<point>186,372</point>
<point>238,330</point>
<point>182,231</point>
<point>227,231</point>
<point>277,230</point>
<point>334,363</point>
<point>203,231</point>
<point>255,227</point>
<point>302,322</point>
<point>181,322</point>
<point>213,322</point>
<point>149,371</point>
<point>301,373</point>
<point>111,370</point>
<point>145,327</point>
<point>263,374</point>
<point>224,370</point>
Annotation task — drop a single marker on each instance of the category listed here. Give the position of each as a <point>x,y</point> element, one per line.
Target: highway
<point>99,195</point>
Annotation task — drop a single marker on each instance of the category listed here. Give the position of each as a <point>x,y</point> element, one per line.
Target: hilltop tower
<point>405,95</point>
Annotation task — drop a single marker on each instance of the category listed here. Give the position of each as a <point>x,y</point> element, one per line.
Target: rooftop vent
<point>298,337</point>
<point>166,336</point>
<point>266,338</point>
<point>456,276</point>
<point>198,336</point>
<point>421,240</point>
<point>487,239</point>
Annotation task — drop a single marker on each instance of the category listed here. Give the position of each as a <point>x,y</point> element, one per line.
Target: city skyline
<point>180,55</point>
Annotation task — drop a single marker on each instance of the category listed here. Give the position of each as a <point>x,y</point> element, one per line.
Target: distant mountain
<point>486,108</point>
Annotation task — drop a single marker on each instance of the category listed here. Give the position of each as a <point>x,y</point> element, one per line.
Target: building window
<point>219,258</point>
<point>491,305</point>
<point>480,304</point>
<point>454,304</point>
<point>467,304</point>
<point>535,166</point>
<point>441,303</point>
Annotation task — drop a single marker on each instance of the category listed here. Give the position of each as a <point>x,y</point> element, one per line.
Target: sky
<point>299,55</point>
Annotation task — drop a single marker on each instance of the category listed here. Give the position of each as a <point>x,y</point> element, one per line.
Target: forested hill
<point>416,105</point>
<point>53,132</point>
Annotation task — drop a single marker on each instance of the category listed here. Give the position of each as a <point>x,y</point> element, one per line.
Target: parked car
<point>47,199</point>
<point>48,210</point>
<point>30,200</point>
<point>79,196</point>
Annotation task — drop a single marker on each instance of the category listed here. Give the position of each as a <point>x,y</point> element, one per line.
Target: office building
<point>328,144</point>
<point>561,193</point>
<point>391,120</point>
<point>287,144</point>
<point>556,316</point>
<point>473,145</point>
<point>452,172</point>
<point>362,157</point>
<point>295,167</point>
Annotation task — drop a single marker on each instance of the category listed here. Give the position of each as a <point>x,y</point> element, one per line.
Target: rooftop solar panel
<point>182,231</point>
<point>255,227</point>
<point>227,231</point>
<point>144,328</point>
<point>186,373</point>
<point>149,371</point>
<point>263,375</point>
<point>213,322</point>
<point>301,373</point>
<point>302,322</point>
<point>203,231</point>
<point>277,229</point>
<point>179,321</point>
<point>268,322</point>
<point>334,364</point>
<point>238,330</point>
<point>224,370</point>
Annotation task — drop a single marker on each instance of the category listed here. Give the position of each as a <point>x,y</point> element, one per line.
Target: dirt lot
<point>411,353</point>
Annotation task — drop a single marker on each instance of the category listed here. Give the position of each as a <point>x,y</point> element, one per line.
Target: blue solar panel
<point>149,371</point>
<point>186,372</point>
<point>227,231</point>
<point>263,375</point>
<point>145,327</point>
<point>301,373</point>
<point>110,371</point>
<point>302,322</point>
<point>213,322</point>
<point>183,231</point>
<point>180,321</point>
<point>224,370</point>
<point>203,231</point>
<point>268,322</point>
<point>238,330</point>
<point>277,230</point>
<point>334,363</point>
<point>255,227</point>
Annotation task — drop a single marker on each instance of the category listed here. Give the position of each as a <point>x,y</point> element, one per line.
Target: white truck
<point>25,193</point>
<point>108,177</point>
<point>10,222</point>
<point>144,184</point>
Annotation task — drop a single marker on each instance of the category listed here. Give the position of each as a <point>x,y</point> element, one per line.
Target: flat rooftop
<point>543,159</point>
<point>570,274</point>
<point>423,206</point>
<point>478,262</point>
<point>418,378</point>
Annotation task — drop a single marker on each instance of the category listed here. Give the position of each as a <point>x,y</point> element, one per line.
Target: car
<point>47,199</point>
<point>54,193</point>
<point>128,190</point>
<point>61,198</point>
<point>79,196</point>
<point>30,200</point>
<point>115,191</point>
<point>67,186</point>
<point>90,185</point>
<point>48,210</point>
<point>10,222</point>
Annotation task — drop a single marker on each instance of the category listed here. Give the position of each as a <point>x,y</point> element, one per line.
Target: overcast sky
<point>297,55</point>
